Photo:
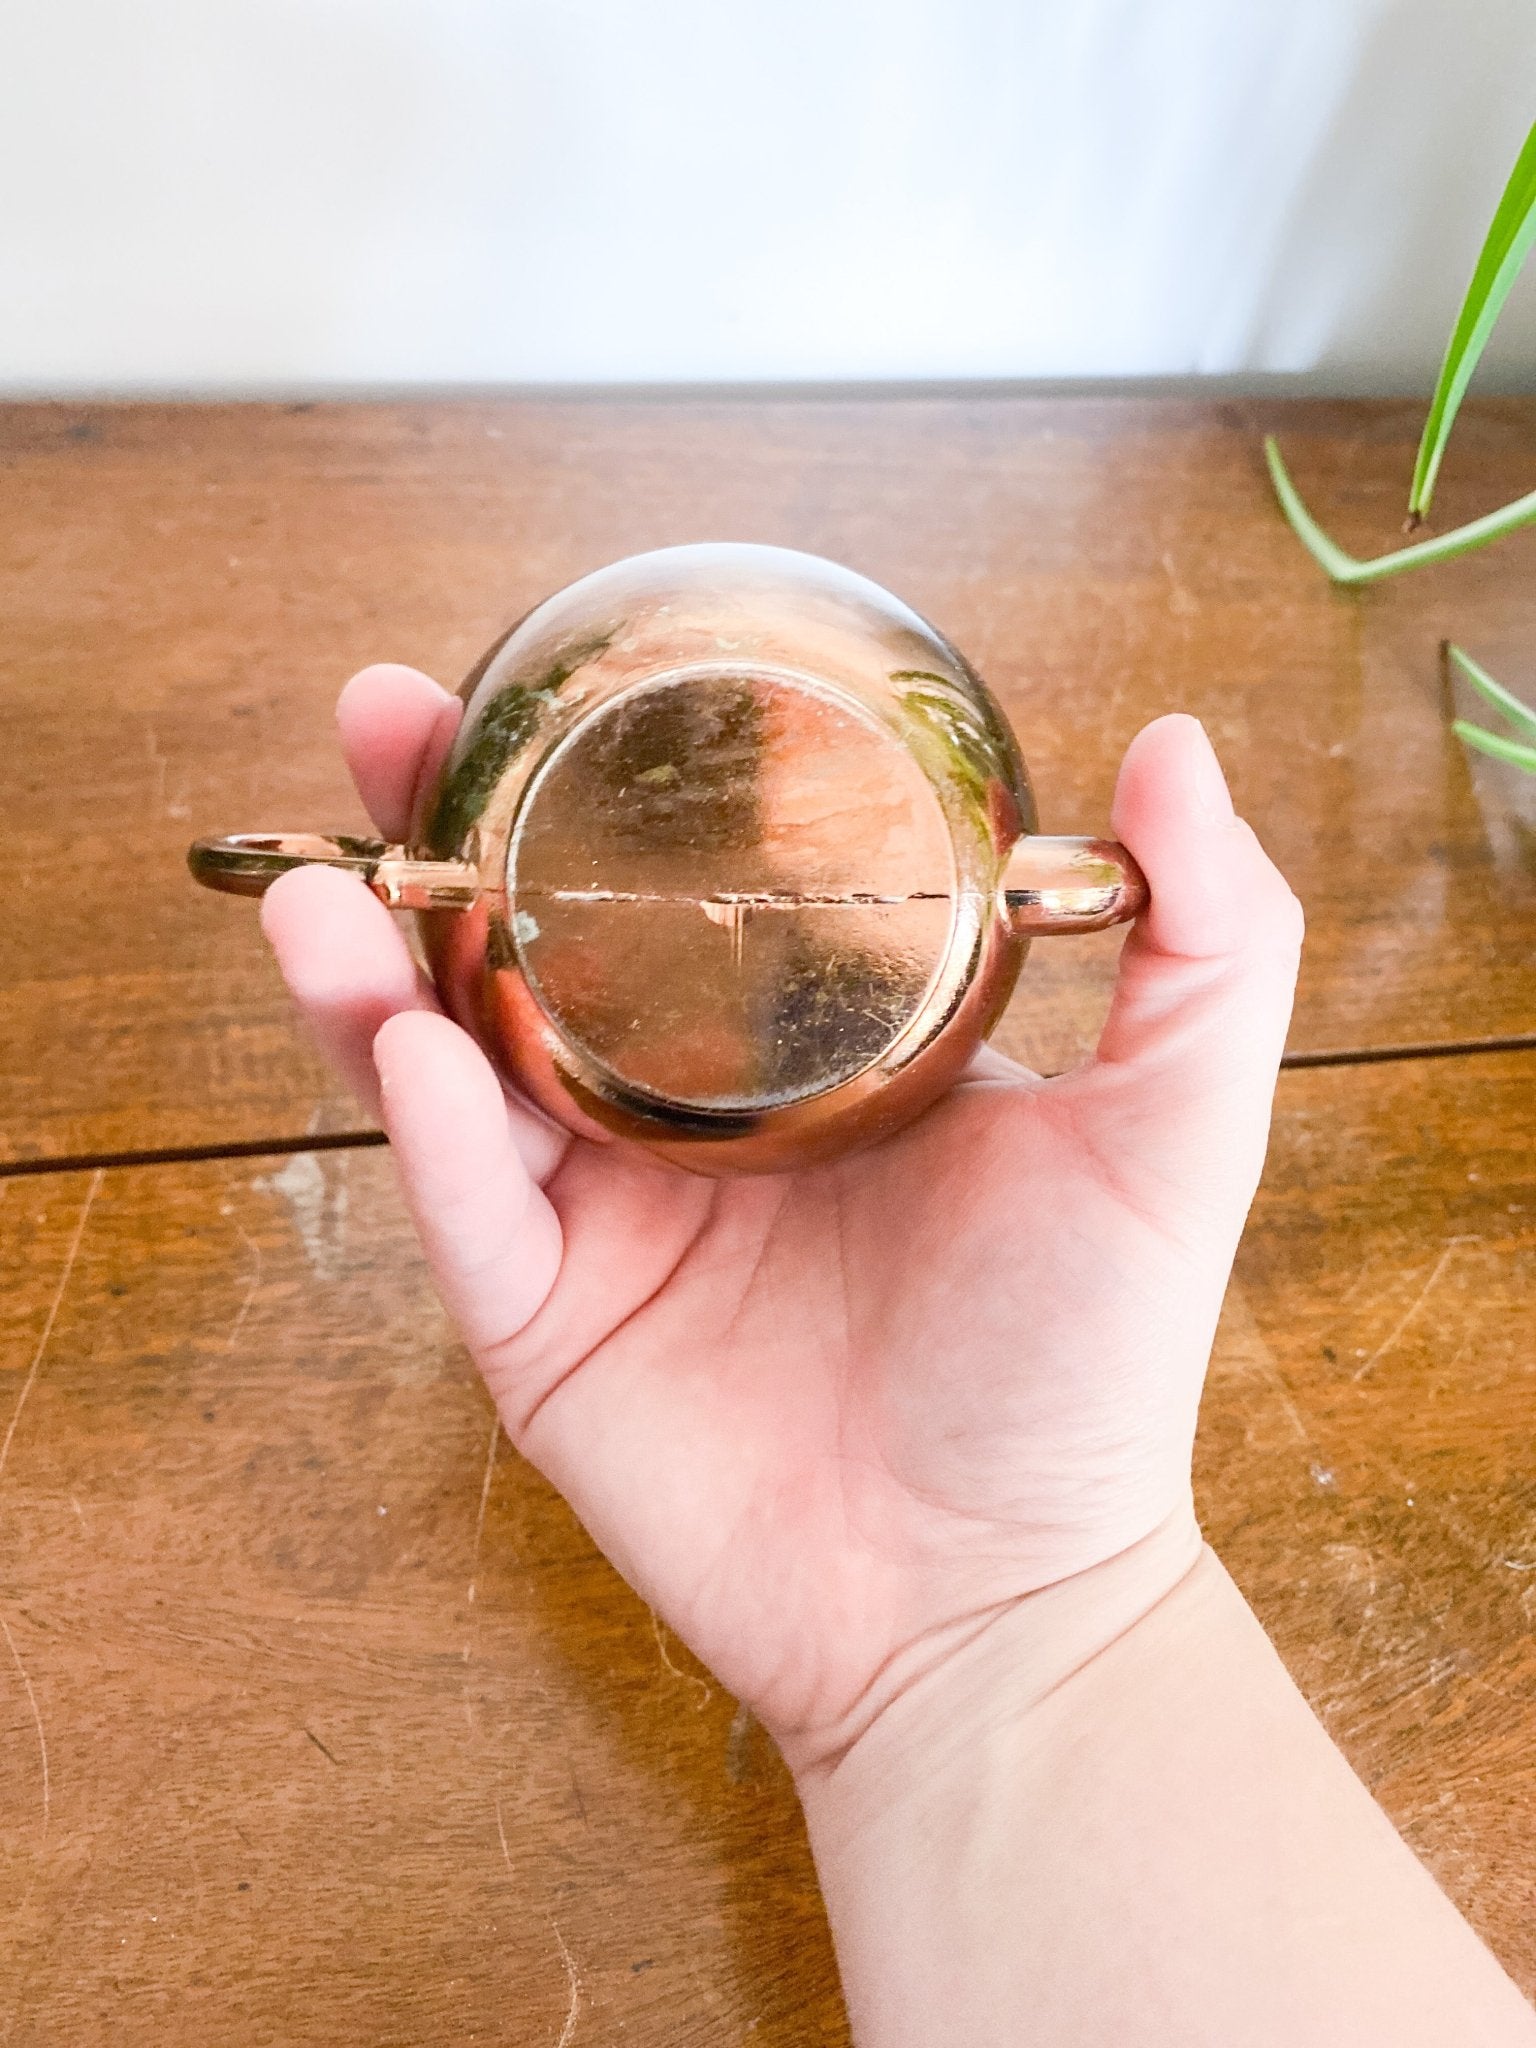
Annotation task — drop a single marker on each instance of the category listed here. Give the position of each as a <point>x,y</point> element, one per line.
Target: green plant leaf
<point>1345,568</point>
<point>1511,234</point>
<point>1520,716</point>
<point>1494,743</point>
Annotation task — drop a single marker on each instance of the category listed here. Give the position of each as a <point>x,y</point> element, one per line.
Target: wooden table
<point>320,1719</point>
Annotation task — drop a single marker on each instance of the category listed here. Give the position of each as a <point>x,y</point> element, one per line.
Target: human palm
<point>827,1422</point>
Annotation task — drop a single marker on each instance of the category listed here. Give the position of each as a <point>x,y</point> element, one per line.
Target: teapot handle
<point>1069,885</point>
<point>247,863</point>
<point>1049,885</point>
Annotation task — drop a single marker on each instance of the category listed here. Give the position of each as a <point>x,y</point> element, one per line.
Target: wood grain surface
<point>185,589</point>
<point>321,1720</point>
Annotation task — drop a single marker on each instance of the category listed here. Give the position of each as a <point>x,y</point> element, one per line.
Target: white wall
<point>206,194</point>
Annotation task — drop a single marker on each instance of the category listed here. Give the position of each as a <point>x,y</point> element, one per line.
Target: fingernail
<point>1211,791</point>
<point>382,674</point>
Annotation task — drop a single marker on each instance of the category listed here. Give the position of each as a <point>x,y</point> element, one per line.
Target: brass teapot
<point>734,856</point>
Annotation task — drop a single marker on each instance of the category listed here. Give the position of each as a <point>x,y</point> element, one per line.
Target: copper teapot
<point>734,856</point>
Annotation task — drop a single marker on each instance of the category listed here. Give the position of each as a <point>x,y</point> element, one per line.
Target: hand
<point>831,1424</point>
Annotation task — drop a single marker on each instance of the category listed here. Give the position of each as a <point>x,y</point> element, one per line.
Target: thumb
<point>1187,1062</point>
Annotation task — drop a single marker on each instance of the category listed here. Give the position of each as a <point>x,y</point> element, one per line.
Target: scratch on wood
<point>1181,601</point>
<point>194,1859</point>
<point>706,1691</point>
<point>572,1976</point>
<point>474,1565</point>
<point>1487,1685</point>
<point>573,1982</point>
<point>53,1309</point>
<point>157,762</point>
<point>250,1293</point>
<point>485,1494</point>
<point>37,1722</point>
<point>1246,1344</point>
<point>1285,1397</point>
<point>1447,1253</point>
<point>329,1755</point>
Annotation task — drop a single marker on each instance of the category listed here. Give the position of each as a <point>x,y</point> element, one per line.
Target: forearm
<point>1141,1839</point>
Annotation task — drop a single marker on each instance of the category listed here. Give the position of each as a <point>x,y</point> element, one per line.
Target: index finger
<point>396,726</point>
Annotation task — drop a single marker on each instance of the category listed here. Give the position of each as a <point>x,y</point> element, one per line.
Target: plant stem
<point>1520,716</point>
<point>1350,569</point>
<point>1494,743</point>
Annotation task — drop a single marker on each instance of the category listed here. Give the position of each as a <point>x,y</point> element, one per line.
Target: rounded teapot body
<point>739,818</point>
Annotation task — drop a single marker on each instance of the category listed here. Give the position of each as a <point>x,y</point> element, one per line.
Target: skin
<point>823,1449</point>
<point>901,1445</point>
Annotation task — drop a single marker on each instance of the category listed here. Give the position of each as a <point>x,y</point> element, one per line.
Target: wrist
<point>930,1708</point>
<point>1111,1818</point>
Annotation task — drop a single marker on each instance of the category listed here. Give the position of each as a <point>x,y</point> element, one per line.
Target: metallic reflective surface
<point>1070,885</point>
<point>247,863</point>
<point>733,855</point>
<point>732,890</point>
